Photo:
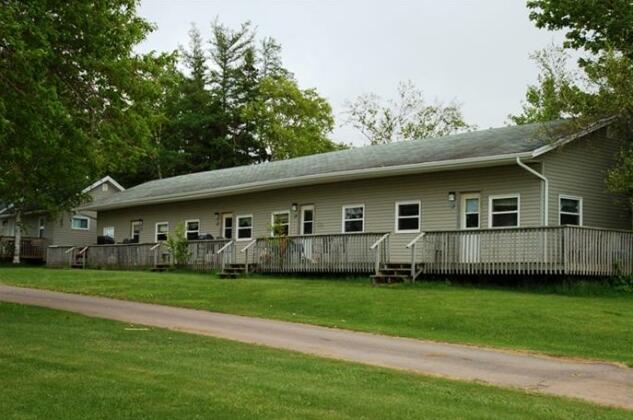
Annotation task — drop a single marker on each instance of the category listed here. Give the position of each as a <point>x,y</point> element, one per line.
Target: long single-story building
<point>511,185</point>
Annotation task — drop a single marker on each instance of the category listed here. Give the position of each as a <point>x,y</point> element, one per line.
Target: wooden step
<point>389,278</point>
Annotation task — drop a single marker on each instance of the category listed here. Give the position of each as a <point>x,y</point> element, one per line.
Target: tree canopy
<point>602,85</point>
<point>408,117</point>
<point>234,103</point>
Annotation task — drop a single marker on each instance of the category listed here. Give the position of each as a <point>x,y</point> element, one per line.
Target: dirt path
<point>602,383</point>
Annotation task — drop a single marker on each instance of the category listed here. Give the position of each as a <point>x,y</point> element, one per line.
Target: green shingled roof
<point>477,144</point>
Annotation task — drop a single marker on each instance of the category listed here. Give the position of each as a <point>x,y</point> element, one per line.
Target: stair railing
<point>413,245</point>
<point>82,254</point>
<point>154,249</point>
<point>70,257</point>
<point>222,253</point>
<point>378,247</point>
<point>245,251</point>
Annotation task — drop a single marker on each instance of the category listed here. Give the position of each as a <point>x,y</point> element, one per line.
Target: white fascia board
<point>450,165</point>
<point>568,139</point>
<point>103,180</point>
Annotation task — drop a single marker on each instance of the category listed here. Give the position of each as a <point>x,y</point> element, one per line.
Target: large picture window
<point>407,216</point>
<point>354,218</point>
<point>504,211</point>
<point>570,210</point>
<point>280,223</point>
<point>162,230</point>
<point>244,227</point>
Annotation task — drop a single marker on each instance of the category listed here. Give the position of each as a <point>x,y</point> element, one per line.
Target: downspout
<point>545,199</point>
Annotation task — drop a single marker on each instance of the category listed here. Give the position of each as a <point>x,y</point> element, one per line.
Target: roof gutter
<point>545,197</point>
<point>350,175</point>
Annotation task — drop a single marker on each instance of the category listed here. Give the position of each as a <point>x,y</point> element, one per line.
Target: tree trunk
<point>18,236</point>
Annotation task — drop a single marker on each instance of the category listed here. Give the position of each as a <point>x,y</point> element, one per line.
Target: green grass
<point>61,365</point>
<point>596,327</point>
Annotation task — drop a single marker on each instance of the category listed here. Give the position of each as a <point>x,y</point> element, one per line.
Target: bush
<point>178,245</point>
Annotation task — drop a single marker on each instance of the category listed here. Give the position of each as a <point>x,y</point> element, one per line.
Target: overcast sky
<point>472,51</point>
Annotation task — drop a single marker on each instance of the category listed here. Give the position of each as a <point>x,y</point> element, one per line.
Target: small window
<point>244,227</point>
<point>108,231</point>
<point>407,216</point>
<point>504,211</point>
<point>570,209</point>
<point>104,187</point>
<point>192,229</point>
<point>135,230</point>
<point>162,230</point>
<point>227,226</point>
<point>280,223</point>
<point>42,227</point>
<point>470,211</point>
<point>80,223</point>
<point>354,218</point>
<point>307,220</point>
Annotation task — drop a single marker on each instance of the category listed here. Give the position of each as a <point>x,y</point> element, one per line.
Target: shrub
<point>178,245</point>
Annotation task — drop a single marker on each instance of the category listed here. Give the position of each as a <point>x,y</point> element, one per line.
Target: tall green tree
<point>408,117</point>
<point>288,121</point>
<point>75,100</point>
<point>602,33</point>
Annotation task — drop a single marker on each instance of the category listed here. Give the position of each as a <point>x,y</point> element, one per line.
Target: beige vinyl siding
<point>64,234</point>
<point>378,196</point>
<point>579,169</point>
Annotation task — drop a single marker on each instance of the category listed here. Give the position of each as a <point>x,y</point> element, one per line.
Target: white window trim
<point>518,210</point>
<point>156,230</point>
<point>272,221</point>
<point>132,223</point>
<point>397,216</point>
<point>580,207</point>
<point>80,217</point>
<point>224,217</point>
<point>351,206</point>
<point>237,227</point>
<point>189,231</point>
<point>302,221</point>
<point>463,212</point>
<point>106,228</point>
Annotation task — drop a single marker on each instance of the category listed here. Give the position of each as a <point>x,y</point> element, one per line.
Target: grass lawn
<point>61,365</point>
<point>598,327</point>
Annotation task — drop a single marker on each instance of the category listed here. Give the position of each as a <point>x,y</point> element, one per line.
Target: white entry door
<point>470,220</point>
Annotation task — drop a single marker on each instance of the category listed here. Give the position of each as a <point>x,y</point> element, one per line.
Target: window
<point>307,220</point>
<point>504,211</point>
<point>162,229</point>
<point>80,223</point>
<point>135,230</point>
<point>407,216</point>
<point>470,211</point>
<point>104,187</point>
<point>42,227</point>
<point>354,218</point>
<point>280,223</point>
<point>108,231</point>
<point>244,227</point>
<point>570,210</point>
<point>227,226</point>
<point>192,229</point>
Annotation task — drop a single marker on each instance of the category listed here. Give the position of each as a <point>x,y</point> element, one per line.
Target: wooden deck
<point>202,256</point>
<point>560,250</point>
<point>31,249</point>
